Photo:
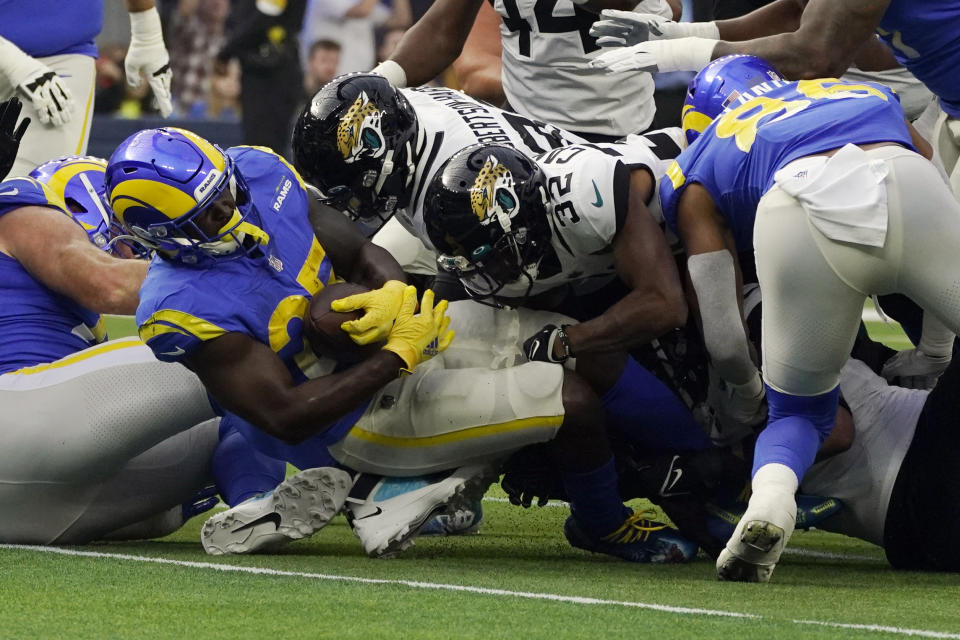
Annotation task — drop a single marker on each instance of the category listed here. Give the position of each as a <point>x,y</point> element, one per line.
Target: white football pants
<point>478,401</point>
<point>814,287</point>
<point>99,440</point>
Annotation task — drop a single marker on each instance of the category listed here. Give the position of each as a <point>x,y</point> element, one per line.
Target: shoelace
<point>636,528</point>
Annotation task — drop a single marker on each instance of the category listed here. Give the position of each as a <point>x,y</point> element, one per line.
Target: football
<point>323,331</point>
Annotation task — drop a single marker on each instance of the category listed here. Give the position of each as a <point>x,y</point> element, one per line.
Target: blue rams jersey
<point>775,123</point>
<point>38,324</point>
<point>183,306</point>
<point>925,38</point>
<point>52,27</point>
<point>266,298</point>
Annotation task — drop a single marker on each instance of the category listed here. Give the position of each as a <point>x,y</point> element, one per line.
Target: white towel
<point>843,195</point>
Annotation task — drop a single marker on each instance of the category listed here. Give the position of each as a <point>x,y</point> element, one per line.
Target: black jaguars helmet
<point>485,212</point>
<point>353,142</point>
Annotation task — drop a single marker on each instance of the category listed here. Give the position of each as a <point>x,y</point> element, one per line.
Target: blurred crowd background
<point>208,58</point>
<point>241,77</point>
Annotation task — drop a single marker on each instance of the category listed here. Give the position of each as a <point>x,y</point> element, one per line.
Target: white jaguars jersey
<point>885,418</point>
<point>547,49</point>
<point>588,186</point>
<point>450,121</point>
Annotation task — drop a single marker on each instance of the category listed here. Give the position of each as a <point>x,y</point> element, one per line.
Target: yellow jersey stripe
<point>308,278</point>
<point>167,320</point>
<point>457,436</point>
<point>150,331</point>
<point>86,354</point>
<point>675,173</point>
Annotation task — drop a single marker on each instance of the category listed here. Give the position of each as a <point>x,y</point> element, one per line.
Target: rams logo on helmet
<point>359,133</point>
<point>492,195</point>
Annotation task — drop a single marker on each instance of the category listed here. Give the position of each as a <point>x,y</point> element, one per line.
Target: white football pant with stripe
<point>44,142</point>
<point>99,440</point>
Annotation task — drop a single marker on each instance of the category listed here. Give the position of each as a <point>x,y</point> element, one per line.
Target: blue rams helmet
<point>160,181</point>
<point>79,181</point>
<point>718,85</point>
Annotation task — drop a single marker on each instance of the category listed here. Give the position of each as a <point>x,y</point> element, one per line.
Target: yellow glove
<point>380,308</point>
<point>417,338</point>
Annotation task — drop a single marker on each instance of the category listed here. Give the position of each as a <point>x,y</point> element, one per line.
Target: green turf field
<point>516,579</point>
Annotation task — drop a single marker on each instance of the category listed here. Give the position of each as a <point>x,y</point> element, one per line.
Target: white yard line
<point>829,555</point>
<point>882,629</point>
<point>530,595</point>
<point>380,581</point>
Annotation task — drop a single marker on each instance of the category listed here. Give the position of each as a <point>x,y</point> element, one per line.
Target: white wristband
<point>145,26</point>
<point>393,72</point>
<point>685,54</point>
<point>936,340</point>
<point>751,389</point>
<point>696,30</point>
<point>14,63</point>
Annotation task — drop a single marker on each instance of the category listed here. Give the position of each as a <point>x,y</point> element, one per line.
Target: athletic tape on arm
<point>715,282</point>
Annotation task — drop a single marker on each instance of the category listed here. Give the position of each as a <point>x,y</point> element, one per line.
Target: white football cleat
<point>299,506</point>
<point>754,548</point>
<point>387,513</point>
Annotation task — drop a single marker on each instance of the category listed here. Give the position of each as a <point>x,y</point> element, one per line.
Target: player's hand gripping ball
<point>323,326</point>
<point>379,309</point>
<point>417,337</point>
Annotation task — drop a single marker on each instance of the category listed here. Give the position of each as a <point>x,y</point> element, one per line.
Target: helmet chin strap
<point>230,242</point>
<point>504,219</point>
<point>413,150</point>
<point>385,170</point>
<point>128,238</point>
<point>389,165</point>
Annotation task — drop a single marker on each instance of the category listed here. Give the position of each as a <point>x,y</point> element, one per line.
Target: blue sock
<point>595,499</point>
<point>796,427</point>
<point>644,409</point>
<point>240,470</point>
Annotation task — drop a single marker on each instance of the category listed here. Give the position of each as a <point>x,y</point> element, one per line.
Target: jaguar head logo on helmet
<point>182,196</point>
<point>486,214</point>
<point>358,133</point>
<point>492,196</point>
<point>355,143</point>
